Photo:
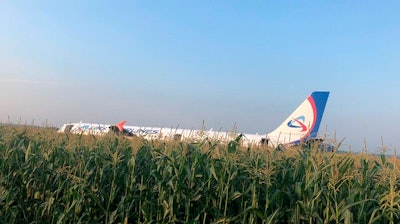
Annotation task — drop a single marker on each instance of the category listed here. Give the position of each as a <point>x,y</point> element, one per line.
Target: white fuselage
<point>152,133</point>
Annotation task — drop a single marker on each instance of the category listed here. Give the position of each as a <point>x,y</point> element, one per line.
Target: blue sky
<point>170,63</point>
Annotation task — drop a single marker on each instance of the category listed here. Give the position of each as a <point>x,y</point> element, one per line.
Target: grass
<point>47,177</point>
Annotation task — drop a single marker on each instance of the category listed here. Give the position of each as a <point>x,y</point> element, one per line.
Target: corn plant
<point>47,177</point>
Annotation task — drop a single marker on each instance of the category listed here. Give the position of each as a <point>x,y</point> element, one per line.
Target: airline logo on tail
<point>298,123</point>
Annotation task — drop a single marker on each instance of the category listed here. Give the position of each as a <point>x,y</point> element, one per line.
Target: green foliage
<point>57,178</point>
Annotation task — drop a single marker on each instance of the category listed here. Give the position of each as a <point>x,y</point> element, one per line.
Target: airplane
<point>301,126</point>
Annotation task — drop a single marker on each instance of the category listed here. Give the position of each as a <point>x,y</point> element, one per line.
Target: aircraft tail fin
<point>303,123</point>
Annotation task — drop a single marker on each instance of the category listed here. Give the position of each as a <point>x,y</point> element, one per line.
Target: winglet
<point>120,125</point>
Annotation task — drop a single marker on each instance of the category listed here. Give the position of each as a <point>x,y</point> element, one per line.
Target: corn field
<point>47,177</point>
